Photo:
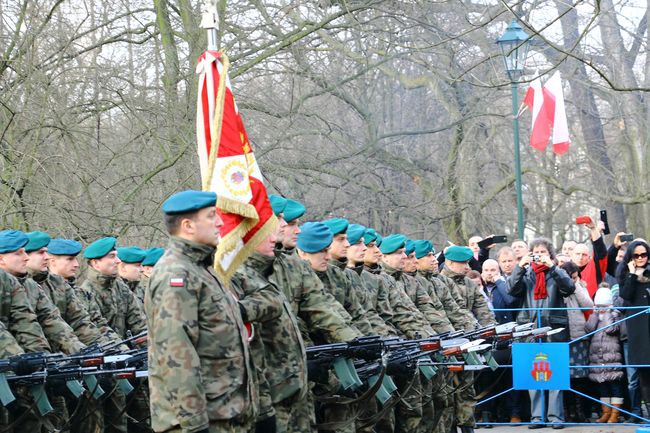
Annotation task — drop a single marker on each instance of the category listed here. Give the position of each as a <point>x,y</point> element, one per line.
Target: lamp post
<point>514,47</point>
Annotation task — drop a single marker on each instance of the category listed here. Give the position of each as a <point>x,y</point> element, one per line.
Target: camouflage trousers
<point>137,407</point>
<point>115,412</point>
<point>465,399</point>
<point>86,415</point>
<point>222,427</point>
<point>23,416</point>
<point>443,401</point>
<point>296,416</point>
<point>408,412</point>
<point>428,410</point>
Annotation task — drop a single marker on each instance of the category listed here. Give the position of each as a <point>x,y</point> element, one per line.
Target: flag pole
<point>209,21</point>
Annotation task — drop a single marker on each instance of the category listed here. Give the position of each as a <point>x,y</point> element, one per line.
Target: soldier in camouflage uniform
<point>408,319</point>
<point>25,334</point>
<point>150,259</point>
<point>201,377</point>
<point>90,417</point>
<point>277,336</point>
<point>320,317</point>
<point>443,386</point>
<point>335,280</point>
<point>368,298</point>
<point>122,311</point>
<point>472,300</point>
<point>130,269</point>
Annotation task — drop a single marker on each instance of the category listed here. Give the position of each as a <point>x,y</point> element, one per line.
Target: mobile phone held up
<point>500,239</point>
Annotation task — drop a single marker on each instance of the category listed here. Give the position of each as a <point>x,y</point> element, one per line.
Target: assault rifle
<point>36,369</point>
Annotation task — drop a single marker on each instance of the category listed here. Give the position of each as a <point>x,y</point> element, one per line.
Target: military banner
<point>228,166</point>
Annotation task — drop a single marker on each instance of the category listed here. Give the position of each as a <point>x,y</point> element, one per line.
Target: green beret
<point>293,210</point>
<point>12,240</point>
<point>314,237</point>
<point>37,240</point>
<point>379,239</point>
<point>355,233</point>
<point>369,236</point>
<point>152,257</point>
<point>337,225</point>
<point>188,201</point>
<point>131,254</point>
<point>456,253</point>
<point>409,247</point>
<point>422,248</point>
<point>64,247</point>
<point>100,248</point>
<point>392,243</point>
<point>277,203</point>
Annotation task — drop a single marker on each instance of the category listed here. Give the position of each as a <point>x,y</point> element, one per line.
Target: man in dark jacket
<point>542,284</point>
<point>496,289</point>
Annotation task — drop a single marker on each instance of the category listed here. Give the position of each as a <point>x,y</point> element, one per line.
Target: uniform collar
<point>38,276</point>
<point>453,275</point>
<point>103,281</point>
<point>358,268</point>
<point>198,253</point>
<point>261,263</point>
<point>373,269</point>
<point>341,264</point>
<point>395,273</point>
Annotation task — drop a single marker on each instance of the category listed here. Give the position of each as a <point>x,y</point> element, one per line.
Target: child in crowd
<point>605,349</point>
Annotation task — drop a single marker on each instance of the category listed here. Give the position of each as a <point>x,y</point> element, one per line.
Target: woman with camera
<point>542,284</point>
<point>634,283</point>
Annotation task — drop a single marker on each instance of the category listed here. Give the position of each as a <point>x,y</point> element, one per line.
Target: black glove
<point>267,425</point>
<point>318,371</point>
<point>403,370</point>
<point>205,430</point>
<point>23,368</point>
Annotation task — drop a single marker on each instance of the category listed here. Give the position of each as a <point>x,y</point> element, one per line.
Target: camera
<point>537,258</point>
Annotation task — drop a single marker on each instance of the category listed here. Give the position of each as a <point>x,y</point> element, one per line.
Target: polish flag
<point>554,97</point>
<point>548,114</point>
<point>540,130</point>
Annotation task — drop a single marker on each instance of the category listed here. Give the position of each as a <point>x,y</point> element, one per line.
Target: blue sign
<point>540,366</point>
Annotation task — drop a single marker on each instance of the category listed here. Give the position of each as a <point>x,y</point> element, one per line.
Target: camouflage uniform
<point>320,317</point>
<point>412,323</point>
<point>17,315</point>
<point>72,309</point>
<point>367,292</point>
<point>89,417</point>
<point>123,313</point>
<point>57,331</point>
<point>277,338</point>
<point>335,282</point>
<point>443,287</point>
<point>92,307</point>
<point>200,371</point>
<point>140,288</point>
<point>441,384</point>
<point>368,300</point>
<point>473,301</point>
<point>116,303</point>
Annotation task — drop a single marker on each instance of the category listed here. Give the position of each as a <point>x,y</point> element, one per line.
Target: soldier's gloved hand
<point>368,352</point>
<point>267,425</point>
<point>317,372</point>
<point>22,367</point>
<point>204,431</point>
<point>403,370</point>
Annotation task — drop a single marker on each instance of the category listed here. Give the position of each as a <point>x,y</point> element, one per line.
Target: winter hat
<point>603,297</point>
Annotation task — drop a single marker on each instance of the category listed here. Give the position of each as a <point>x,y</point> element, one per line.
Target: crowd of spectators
<point>585,284</point>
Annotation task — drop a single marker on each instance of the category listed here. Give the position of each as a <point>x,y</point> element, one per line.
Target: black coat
<point>638,328</point>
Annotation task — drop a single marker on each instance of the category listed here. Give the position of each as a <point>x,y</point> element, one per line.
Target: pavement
<point>592,428</point>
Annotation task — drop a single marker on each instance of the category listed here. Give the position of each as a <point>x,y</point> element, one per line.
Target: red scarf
<point>540,281</point>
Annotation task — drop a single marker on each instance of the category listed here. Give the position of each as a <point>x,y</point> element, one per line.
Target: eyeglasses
<point>640,256</point>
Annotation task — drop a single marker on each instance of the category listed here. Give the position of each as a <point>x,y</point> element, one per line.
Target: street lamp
<point>514,47</point>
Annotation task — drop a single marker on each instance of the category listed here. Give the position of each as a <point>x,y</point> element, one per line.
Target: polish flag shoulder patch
<point>177,282</point>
